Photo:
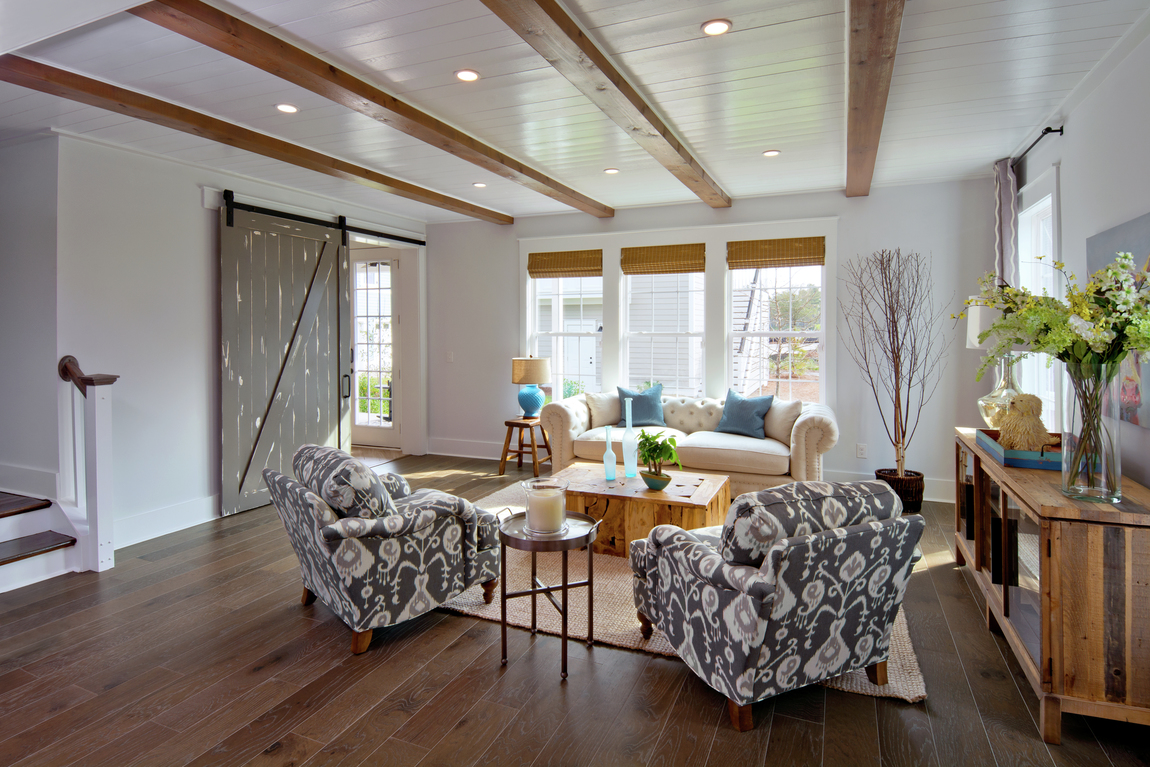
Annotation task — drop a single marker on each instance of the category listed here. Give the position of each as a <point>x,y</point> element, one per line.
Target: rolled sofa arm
<point>564,421</point>
<point>815,432</point>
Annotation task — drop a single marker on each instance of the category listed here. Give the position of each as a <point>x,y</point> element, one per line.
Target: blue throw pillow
<point>744,415</point>
<point>646,406</point>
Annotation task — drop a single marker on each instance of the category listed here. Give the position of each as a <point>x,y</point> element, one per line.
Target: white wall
<point>28,423</point>
<point>138,296</point>
<point>1105,181</point>
<point>474,303</point>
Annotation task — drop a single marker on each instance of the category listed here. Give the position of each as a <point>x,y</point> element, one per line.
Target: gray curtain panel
<point>1005,222</point>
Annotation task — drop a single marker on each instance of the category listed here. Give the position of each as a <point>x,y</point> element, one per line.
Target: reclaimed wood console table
<point>1066,582</point>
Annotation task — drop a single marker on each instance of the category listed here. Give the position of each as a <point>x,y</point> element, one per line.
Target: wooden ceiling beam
<point>263,50</point>
<point>874,28</point>
<point>69,85</point>
<point>549,30</point>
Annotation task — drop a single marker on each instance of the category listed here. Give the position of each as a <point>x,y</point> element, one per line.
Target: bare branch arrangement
<point>894,333</point>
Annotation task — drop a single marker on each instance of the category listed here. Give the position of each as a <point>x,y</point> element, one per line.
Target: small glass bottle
<point>609,458</point>
<point>630,446</point>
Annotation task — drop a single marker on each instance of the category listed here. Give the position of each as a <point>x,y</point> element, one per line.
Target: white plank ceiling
<point>971,80</point>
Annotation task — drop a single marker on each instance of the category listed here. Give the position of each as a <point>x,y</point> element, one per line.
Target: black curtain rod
<point>1045,132</point>
<point>230,202</point>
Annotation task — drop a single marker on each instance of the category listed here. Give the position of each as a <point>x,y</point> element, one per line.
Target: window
<point>568,319</point>
<point>373,344</point>
<point>777,337</point>
<point>1036,273</point>
<point>663,336</point>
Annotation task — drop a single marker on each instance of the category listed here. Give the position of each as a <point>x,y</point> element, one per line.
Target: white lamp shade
<point>978,319</point>
<point>530,370</point>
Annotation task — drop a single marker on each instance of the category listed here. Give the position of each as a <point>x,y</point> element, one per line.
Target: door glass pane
<point>1022,583</point>
<point>373,344</point>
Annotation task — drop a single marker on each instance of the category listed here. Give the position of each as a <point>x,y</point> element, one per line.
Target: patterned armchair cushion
<point>836,596</point>
<point>349,487</point>
<point>756,521</point>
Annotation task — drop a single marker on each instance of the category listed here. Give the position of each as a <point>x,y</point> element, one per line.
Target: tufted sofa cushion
<point>688,414</point>
<point>717,451</point>
<point>756,521</point>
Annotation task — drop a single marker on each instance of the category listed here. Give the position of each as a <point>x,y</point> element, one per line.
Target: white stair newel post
<point>100,547</point>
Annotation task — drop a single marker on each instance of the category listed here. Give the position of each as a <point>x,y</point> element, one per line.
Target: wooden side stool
<point>529,424</point>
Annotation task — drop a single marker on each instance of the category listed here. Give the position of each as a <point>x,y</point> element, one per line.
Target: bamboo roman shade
<point>787,251</point>
<point>664,259</point>
<point>565,263</point>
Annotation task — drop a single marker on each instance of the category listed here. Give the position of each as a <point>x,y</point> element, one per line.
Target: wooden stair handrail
<point>69,369</point>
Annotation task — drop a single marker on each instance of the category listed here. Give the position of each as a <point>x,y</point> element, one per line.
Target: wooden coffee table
<point>630,510</point>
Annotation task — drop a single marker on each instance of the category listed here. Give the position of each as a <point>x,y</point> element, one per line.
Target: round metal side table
<point>581,531</point>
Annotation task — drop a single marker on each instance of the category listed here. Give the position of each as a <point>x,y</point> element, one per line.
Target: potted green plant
<point>655,451</point>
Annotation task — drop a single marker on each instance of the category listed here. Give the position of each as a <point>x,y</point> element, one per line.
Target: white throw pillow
<point>780,420</point>
<point>604,408</point>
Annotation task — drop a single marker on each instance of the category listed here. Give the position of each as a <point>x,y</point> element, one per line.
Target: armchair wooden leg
<point>489,590</point>
<point>359,641</point>
<point>308,597</point>
<point>645,626</point>
<point>740,716</point>
<point>877,673</point>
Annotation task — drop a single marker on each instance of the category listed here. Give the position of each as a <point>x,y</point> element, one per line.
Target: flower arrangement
<point>1097,324</point>
<point>1092,330</point>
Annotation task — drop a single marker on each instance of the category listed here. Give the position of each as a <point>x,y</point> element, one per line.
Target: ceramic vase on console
<point>1091,451</point>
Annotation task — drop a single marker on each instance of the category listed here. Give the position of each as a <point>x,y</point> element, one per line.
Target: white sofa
<point>752,464</point>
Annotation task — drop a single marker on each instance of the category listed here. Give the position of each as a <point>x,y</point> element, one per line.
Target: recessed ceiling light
<point>772,153</point>
<point>479,185</point>
<point>611,171</point>
<point>467,75</point>
<point>716,27</point>
<point>290,109</point>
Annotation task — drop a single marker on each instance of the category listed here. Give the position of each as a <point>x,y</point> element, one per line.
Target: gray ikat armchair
<point>801,583</point>
<point>372,550</point>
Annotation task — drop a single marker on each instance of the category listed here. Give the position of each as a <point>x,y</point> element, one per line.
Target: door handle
<point>346,386</point>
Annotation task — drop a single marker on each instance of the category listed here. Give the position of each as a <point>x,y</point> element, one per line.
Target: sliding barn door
<point>285,326</point>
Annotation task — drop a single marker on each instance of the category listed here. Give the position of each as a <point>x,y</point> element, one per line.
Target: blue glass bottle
<point>630,446</point>
<point>609,458</point>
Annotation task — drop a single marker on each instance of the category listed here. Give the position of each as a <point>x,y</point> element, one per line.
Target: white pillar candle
<point>545,510</point>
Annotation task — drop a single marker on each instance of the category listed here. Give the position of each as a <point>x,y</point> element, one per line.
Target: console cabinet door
<point>1104,574</point>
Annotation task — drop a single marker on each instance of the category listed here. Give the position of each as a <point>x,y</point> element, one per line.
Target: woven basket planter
<point>908,488</point>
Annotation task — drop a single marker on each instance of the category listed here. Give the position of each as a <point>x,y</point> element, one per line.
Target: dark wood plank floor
<point>194,649</point>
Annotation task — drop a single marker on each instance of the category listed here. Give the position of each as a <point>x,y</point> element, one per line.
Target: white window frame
<point>557,336</point>
<point>717,356</point>
<point>821,334</point>
<point>1036,376</point>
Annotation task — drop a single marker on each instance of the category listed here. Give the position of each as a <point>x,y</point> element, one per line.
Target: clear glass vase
<point>993,405</point>
<point>1091,451</point>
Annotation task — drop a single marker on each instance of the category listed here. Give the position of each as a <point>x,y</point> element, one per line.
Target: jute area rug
<point>615,621</point>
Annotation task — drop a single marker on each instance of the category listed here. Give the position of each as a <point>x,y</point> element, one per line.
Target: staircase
<point>27,556</point>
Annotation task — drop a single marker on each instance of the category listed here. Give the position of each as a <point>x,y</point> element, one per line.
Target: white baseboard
<point>465,448</point>
<point>23,480</point>
<point>25,572</point>
<point>152,524</point>
<point>934,489</point>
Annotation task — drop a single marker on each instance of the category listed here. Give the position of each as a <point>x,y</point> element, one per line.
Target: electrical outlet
<point>451,356</point>
<point>860,450</point>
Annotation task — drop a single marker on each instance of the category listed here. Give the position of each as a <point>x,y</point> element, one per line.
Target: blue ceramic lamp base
<point>531,399</point>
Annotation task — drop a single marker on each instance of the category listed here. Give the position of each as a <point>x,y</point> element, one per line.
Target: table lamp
<point>531,371</point>
<point>978,319</point>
